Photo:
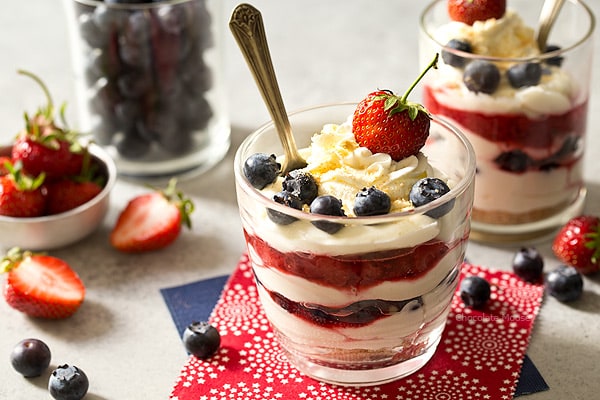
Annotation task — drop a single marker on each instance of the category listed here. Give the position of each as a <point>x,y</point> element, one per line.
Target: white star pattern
<point>479,357</point>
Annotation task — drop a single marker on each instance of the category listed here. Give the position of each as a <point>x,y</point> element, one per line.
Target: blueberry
<point>481,76</point>
<point>475,291</point>
<point>426,190</point>
<point>513,161</point>
<point>565,283</point>
<point>556,60</point>
<point>454,59</point>
<point>327,205</point>
<point>301,184</point>
<point>528,264</point>
<point>371,201</point>
<point>261,169</point>
<point>524,74</point>
<point>67,382</point>
<point>30,357</point>
<point>201,339</point>
<point>287,199</point>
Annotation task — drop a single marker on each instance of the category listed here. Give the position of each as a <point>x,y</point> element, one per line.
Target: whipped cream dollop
<point>507,37</point>
<point>342,168</point>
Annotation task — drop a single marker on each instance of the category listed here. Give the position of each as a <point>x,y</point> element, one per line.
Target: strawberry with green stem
<point>152,221</point>
<point>45,147</point>
<point>578,244</point>
<point>40,285</point>
<point>386,123</point>
<point>21,195</point>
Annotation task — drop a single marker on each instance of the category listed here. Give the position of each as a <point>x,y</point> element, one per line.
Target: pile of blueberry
<point>31,357</point>
<point>300,190</point>
<point>481,76</point>
<point>146,74</point>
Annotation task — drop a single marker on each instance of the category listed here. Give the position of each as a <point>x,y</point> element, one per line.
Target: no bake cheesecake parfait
<point>357,255</point>
<point>523,108</point>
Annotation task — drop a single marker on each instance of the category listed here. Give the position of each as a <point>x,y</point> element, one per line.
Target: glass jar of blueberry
<point>149,85</point>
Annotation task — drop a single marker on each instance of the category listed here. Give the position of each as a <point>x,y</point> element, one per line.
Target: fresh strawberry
<point>578,244</point>
<point>20,195</point>
<point>386,123</point>
<point>45,147</point>
<point>66,194</point>
<point>152,221</point>
<point>40,285</point>
<point>469,11</point>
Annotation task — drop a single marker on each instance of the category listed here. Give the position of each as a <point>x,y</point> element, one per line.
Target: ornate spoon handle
<point>550,11</point>
<point>247,27</point>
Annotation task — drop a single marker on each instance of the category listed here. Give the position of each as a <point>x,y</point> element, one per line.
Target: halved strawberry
<point>386,123</point>
<point>469,11</point>
<point>41,286</point>
<point>578,244</point>
<point>44,147</point>
<point>20,195</point>
<point>152,221</point>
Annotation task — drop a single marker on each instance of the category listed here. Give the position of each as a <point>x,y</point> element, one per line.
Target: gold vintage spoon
<point>550,11</point>
<point>247,27</point>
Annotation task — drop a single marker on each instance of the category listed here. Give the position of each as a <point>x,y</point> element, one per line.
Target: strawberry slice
<point>386,123</point>
<point>152,221</point>
<point>469,11</point>
<point>41,286</point>
<point>578,244</point>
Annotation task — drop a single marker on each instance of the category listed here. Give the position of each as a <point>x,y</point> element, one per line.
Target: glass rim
<point>461,187</point>
<point>542,56</point>
<point>131,6</point>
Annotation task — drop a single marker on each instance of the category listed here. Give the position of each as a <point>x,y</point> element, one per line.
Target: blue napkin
<point>195,302</point>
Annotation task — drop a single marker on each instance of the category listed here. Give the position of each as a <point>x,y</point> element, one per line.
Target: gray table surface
<point>123,336</point>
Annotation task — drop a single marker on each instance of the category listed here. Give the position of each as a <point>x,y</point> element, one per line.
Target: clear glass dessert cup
<point>528,129</point>
<point>367,304</point>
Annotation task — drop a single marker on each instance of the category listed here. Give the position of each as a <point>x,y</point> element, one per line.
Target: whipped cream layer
<point>505,37</point>
<point>342,168</point>
<point>411,326</point>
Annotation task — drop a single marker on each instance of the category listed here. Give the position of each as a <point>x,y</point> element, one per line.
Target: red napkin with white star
<point>479,357</point>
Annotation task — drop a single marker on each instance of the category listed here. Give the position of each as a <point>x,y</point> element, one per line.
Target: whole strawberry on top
<point>21,195</point>
<point>43,146</point>
<point>578,244</point>
<point>152,221</point>
<point>386,123</point>
<point>469,11</point>
<point>40,285</point>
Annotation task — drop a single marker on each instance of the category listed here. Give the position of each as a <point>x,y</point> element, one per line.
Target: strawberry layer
<point>511,130</point>
<point>353,272</point>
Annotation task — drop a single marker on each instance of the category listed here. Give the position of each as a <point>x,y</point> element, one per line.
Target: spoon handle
<point>548,15</point>
<point>247,27</point>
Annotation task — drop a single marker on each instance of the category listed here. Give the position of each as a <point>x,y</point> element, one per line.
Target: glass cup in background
<point>367,304</point>
<point>149,83</point>
<point>529,137</point>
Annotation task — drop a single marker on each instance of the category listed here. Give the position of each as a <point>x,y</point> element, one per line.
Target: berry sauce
<point>353,272</point>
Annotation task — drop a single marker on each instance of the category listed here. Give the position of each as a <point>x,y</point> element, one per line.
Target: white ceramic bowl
<point>60,230</point>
